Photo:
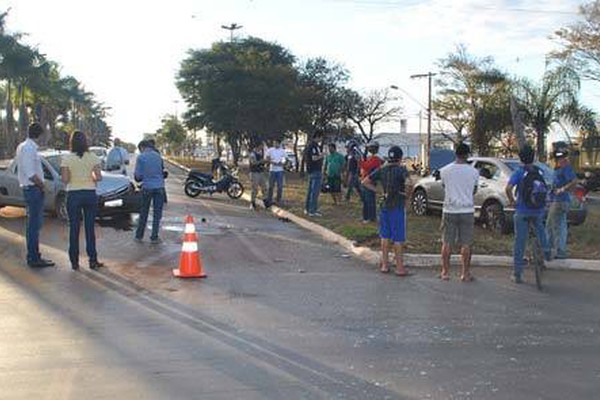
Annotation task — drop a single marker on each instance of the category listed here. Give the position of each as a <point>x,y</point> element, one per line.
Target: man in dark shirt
<point>392,217</point>
<point>314,166</point>
<point>352,178</point>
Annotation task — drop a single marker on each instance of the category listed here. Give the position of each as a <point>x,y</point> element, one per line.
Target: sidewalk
<point>413,260</point>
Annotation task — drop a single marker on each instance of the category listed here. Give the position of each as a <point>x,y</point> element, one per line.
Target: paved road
<point>281,316</point>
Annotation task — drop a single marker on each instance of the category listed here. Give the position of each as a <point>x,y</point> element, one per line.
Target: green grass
<point>423,232</point>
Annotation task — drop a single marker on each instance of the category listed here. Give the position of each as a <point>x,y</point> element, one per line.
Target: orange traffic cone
<point>190,265</point>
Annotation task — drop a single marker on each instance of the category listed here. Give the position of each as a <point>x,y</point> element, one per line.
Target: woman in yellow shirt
<point>80,171</point>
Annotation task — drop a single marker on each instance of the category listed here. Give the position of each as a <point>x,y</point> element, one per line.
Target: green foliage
<point>242,90</point>
<point>171,135</point>
<point>581,42</point>
<point>474,96</point>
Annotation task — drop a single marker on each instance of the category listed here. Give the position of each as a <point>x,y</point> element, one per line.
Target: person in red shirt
<point>367,166</point>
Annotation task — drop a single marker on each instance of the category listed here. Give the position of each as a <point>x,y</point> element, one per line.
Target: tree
<point>366,112</point>
<point>545,103</point>
<point>321,95</point>
<point>171,135</point>
<point>243,91</point>
<point>581,42</point>
<point>474,95</point>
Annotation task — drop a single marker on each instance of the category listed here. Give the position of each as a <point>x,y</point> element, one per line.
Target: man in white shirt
<point>276,157</point>
<point>460,184</point>
<point>31,179</point>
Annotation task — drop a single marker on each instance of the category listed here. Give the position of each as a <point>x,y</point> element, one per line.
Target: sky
<point>128,52</point>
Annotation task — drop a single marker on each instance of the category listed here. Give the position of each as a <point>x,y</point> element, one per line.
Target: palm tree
<point>545,103</point>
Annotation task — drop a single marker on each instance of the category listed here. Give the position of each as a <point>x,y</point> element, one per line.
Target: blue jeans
<point>157,198</point>
<point>34,201</point>
<point>522,234</point>
<point>82,202</point>
<point>556,227</point>
<point>275,177</point>
<point>314,189</point>
<point>369,204</point>
<point>353,183</point>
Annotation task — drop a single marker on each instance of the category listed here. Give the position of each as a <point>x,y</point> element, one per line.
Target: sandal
<point>444,277</point>
<point>467,278</point>
<point>384,269</point>
<point>403,274</point>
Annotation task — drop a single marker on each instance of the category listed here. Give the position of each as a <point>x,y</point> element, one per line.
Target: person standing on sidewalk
<point>314,167</point>
<point>276,158</point>
<point>31,180</point>
<point>392,217</point>
<point>149,171</point>
<point>367,166</point>
<point>560,201</point>
<point>352,169</point>
<point>80,171</point>
<point>334,164</point>
<point>459,180</point>
<point>257,175</point>
<point>523,212</point>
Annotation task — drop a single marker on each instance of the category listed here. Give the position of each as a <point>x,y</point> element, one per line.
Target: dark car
<point>116,193</point>
<point>491,203</point>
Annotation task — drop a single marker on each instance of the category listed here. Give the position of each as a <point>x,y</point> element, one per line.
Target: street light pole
<point>231,28</point>
<point>428,75</point>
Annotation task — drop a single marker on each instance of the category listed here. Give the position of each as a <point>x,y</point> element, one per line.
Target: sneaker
<point>561,256</point>
<point>137,239</point>
<point>253,207</point>
<point>315,214</point>
<point>516,279</point>
<point>155,241</point>
<point>306,212</point>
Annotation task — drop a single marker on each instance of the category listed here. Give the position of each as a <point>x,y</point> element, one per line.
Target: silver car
<point>491,203</point>
<point>116,193</point>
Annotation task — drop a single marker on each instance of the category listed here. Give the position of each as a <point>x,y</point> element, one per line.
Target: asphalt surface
<point>281,315</point>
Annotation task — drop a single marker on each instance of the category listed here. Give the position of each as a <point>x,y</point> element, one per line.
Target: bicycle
<point>535,252</point>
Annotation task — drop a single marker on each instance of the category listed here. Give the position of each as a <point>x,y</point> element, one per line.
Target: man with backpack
<point>460,181</point>
<point>392,217</point>
<point>531,191</point>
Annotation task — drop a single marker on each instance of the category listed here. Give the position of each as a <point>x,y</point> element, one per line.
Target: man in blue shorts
<point>392,216</point>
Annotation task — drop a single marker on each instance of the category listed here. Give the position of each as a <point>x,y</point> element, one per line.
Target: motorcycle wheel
<point>235,190</point>
<point>190,189</point>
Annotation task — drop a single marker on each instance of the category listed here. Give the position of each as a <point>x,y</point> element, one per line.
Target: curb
<point>414,260</point>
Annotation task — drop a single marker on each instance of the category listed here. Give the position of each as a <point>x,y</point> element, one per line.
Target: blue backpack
<point>534,189</point>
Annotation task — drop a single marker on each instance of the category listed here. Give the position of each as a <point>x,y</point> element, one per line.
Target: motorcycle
<point>199,182</point>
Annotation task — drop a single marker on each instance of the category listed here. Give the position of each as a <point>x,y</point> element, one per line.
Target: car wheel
<point>191,189</point>
<point>419,202</point>
<point>60,207</point>
<point>235,190</point>
<point>494,218</point>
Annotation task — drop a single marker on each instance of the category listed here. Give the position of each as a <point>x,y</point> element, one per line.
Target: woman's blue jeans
<point>82,203</point>
<point>275,177</point>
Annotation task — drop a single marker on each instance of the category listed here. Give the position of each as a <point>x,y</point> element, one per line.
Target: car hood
<point>111,183</point>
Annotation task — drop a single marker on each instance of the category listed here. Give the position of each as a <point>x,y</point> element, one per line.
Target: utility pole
<point>231,28</point>
<point>428,75</point>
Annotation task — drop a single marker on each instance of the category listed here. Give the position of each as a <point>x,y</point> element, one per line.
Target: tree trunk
<point>10,121</point>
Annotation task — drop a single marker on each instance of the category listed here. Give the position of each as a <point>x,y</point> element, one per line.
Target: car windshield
<point>55,162</point>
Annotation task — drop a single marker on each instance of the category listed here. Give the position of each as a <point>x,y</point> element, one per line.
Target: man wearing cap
<point>556,224</point>
<point>392,216</point>
<point>459,180</point>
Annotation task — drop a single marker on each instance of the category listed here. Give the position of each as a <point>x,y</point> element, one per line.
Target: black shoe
<point>49,262</point>
<point>40,264</point>
<point>95,265</point>
<point>74,266</point>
